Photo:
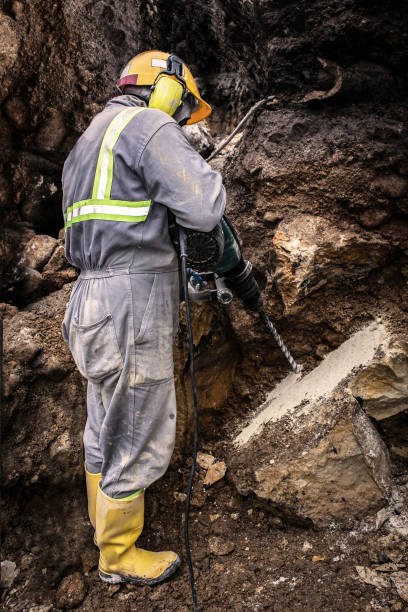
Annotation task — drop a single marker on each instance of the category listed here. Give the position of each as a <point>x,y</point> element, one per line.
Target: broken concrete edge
<point>356,352</point>
<point>312,450</point>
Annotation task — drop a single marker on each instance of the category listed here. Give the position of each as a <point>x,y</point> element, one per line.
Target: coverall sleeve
<point>176,176</point>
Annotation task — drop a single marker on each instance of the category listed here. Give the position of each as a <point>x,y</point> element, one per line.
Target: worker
<point>130,167</point>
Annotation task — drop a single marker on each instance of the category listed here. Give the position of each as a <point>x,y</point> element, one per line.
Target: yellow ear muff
<point>167,95</point>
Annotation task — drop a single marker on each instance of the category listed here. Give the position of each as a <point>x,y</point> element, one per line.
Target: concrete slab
<point>355,352</point>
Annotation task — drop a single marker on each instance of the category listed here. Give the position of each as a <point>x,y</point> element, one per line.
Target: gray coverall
<point>130,166</point>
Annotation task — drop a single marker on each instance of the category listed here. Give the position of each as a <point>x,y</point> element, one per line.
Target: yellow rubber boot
<point>119,523</point>
<point>92,482</point>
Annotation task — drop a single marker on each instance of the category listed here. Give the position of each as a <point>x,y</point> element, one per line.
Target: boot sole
<point>118,578</point>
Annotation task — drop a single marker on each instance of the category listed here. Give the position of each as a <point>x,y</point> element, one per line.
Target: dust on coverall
<point>130,166</point>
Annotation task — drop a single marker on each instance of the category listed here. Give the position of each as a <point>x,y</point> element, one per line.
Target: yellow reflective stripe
<point>107,210</point>
<point>98,202</point>
<point>104,217</point>
<point>104,168</point>
<point>132,496</point>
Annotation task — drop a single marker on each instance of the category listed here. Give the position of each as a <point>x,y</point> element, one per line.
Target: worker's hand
<point>195,280</point>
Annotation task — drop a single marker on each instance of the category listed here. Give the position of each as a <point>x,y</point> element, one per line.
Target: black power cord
<point>183,257</point>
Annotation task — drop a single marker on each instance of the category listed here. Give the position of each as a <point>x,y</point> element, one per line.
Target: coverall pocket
<point>154,343</point>
<point>95,349</point>
<point>64,332</point>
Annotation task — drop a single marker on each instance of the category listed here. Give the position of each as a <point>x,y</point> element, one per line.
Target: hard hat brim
<point>202,111</point>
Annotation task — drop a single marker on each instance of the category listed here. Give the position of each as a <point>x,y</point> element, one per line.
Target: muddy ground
<point>317,186</point>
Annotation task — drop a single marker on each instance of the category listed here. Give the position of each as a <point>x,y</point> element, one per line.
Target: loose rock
<point>71,591</point>
<point>392,546</point>
<point>218,546</point>
<point>383,385</point>
<point>398,523</point>
<point>112,589</point>
<point>374,217</point>
<point>61,447</point>
<point>391,185</point>
<point>215,472</point>
<point>382,516</point>
<point>58,272</point>
<point>9,573</point>
<point>31,281</point>
<point>205,460</point>
<point>200,138</point>
<point>180,496</point>
<point>387,567</point>
<point>25,346</point>
<point>38,251</point>
<point>89,559</point>
<point>370,576</point>
<point>400,581</point>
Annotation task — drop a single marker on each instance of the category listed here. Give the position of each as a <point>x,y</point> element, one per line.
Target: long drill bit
<point>264,317</point>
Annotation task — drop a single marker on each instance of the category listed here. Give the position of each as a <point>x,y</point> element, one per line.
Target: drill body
<point>229,270</point>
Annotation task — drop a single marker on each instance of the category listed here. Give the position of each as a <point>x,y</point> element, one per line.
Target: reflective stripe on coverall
<point>129,166</point>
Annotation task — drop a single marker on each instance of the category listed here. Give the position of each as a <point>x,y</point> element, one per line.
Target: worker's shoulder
<point>157,116</point>
<point>153,119</point>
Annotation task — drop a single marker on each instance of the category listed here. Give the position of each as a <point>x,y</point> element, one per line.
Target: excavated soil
<point>318,190</point>
<point>272,565</point>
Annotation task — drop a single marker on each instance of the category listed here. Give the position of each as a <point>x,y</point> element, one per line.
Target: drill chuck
<point>242,281</point>
<point>224,294</point>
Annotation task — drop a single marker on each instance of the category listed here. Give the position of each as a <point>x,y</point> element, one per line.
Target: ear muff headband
<point>169,89</point>
<point>174,69</point>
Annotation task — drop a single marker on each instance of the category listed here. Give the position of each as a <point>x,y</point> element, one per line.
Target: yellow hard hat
<point>145,68</point>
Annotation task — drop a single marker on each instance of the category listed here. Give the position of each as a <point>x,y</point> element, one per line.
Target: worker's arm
<point>176,176</point>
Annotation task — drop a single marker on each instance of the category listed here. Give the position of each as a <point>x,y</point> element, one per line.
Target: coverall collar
<point>126,100</point>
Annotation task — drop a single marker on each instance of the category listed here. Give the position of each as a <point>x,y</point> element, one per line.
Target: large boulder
<point>312,253</point>
<point>311,451</point>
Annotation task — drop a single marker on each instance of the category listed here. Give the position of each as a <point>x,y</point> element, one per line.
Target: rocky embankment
<point>316,468</point>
